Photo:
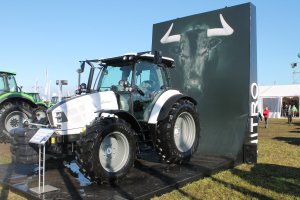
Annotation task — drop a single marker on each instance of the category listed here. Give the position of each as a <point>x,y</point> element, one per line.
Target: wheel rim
<point>184,132</point>
<point>40,114</point>
<point>114,152</point>
<point>15,119</point>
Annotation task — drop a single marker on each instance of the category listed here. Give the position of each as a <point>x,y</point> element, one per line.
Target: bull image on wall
<point>215,58</point>
<point>196,50</point>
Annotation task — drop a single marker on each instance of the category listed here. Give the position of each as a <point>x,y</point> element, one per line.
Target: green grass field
<point>275,176</point>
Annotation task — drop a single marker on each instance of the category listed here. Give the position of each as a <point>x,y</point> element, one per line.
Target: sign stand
<point>40,138</point>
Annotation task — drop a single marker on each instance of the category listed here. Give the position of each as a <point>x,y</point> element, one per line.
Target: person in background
<point>289,114</point>
<point>260,116</point>
<point>294,110</point>
<point>266,114</point>
<point>283,110</point>
<point>286,110</point>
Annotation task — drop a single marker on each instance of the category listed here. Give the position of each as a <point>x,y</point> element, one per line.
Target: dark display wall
<point>215,57</point>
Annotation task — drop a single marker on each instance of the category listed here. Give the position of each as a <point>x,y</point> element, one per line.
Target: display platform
<point>147,179</point>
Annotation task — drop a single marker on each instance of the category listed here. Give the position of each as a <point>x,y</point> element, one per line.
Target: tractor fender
<point>164,103</point>
<point>17,98</point>
<point>129,118</point>
<point>170,102</point>
<point>42,104</point>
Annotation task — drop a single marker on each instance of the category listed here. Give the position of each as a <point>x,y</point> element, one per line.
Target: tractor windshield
<point>145,75</point>
<point>112,75</point>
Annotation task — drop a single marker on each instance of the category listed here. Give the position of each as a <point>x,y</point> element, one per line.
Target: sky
<point>38,36</point>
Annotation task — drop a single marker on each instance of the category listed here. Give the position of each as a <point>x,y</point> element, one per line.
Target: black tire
<point>4,138</point>
<point>5,106</point>
<point>107,150</point>
<point>12,116</point>
<point>177,136</point>
<point>21,151</point>
<point>20,140</point>
<point>22,136</point>
<point>33,159</point>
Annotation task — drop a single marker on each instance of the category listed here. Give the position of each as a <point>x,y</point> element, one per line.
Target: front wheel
<point>107,150</point>
<point>177,136</point>
<point>40,112</point>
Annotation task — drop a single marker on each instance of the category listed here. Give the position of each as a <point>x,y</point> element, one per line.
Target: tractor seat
<point>147,87</point>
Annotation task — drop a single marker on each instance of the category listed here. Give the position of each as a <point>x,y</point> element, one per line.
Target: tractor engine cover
<point>72,115</point>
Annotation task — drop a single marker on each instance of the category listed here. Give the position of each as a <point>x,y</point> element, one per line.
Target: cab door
<point>147,81</point>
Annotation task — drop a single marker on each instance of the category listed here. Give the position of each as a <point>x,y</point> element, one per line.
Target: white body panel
<point>159,104</point>
<point>80,111</point>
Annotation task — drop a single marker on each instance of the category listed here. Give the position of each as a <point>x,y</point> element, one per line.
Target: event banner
<point>215,58</point>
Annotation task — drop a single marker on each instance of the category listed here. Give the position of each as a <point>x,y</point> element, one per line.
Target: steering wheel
<point>140,91</point>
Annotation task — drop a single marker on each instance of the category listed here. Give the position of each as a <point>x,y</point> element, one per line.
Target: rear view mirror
<point>83,86</point>
<point>105,72</point>
<point>82,66</point>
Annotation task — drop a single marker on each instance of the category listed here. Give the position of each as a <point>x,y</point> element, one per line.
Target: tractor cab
<point>35,96</point>
<point>7,82</point>
<point>136,79</point>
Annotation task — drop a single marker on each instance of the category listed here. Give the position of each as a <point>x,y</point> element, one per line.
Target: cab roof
<point>32,93</point>
<point>131,57</point>
<point>5,72</point>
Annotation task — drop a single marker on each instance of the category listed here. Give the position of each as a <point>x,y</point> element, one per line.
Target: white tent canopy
<point>273,95</point>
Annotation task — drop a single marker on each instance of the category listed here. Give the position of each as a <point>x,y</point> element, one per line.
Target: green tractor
<point>15,106</point>
<point>40,110</point>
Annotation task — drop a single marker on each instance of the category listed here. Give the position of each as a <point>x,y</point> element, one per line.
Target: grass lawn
<point>275,176</point>
<point>5,158</point>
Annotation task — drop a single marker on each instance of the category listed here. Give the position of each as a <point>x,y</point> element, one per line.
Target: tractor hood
<point>72,115</point>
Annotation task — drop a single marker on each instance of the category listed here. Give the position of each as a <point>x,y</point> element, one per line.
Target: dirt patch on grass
<point>4,148</point>
<point>5,155</point>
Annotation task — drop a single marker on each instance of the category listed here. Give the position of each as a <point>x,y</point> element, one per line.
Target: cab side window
<point>11,83</point>
<point>2,84</point>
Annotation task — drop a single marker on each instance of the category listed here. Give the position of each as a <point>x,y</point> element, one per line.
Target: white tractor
<point>126,105</point>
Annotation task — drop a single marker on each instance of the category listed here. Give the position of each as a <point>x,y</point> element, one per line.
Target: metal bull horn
<point>226,30</point>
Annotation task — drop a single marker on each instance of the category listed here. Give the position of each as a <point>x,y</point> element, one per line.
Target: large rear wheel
<point>107,150</point>
<point>13,116</point>
<point>177,136</point>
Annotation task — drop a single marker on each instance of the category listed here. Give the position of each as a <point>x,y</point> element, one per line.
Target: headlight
<point>61,117</point>
<point>58,114</point>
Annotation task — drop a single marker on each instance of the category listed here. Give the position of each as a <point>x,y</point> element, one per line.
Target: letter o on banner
<point>254,90</point>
